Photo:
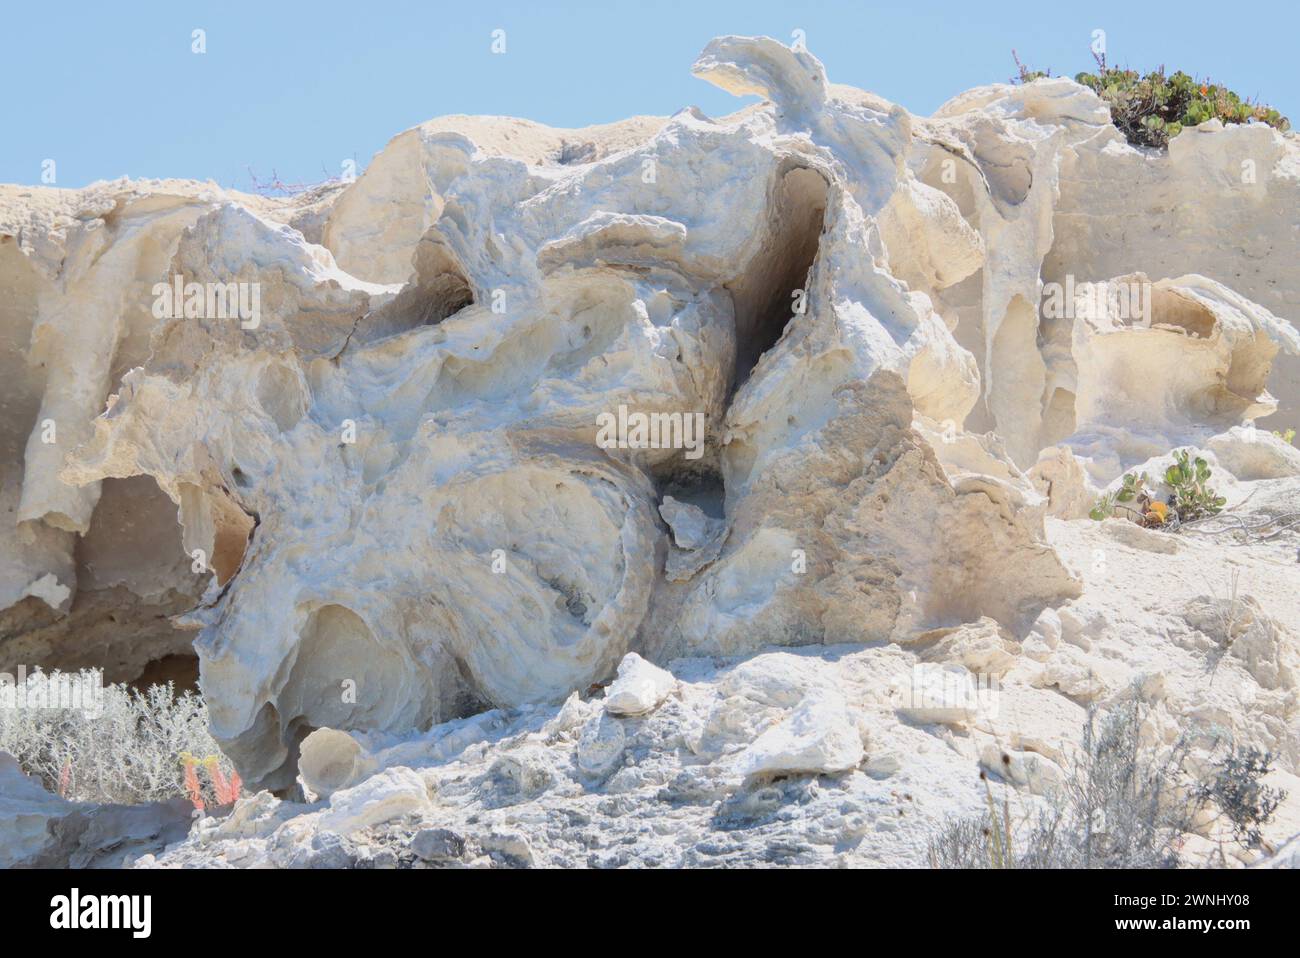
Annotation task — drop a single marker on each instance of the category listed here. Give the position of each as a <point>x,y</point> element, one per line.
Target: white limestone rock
<point>818,737</point>
<point>387,795</point>
<point>946,694</point>
<point>329,760</point>
<point>1040,775</point>
<point>601,745</point>
<point>1250,453</point>
<point>1198,368</point>
<point>639,688</point>
<point>692,529</point>
<point>416,555</point>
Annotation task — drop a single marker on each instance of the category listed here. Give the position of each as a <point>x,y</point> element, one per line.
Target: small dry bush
<point>133,750</point>
<point>1123,805</point>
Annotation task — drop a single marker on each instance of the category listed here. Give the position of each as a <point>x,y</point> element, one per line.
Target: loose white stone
<point>819,736</point>
<point>388,794</point>
<point>639,688</point>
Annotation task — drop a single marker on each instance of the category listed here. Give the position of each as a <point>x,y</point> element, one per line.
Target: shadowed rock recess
<point>438,619</point>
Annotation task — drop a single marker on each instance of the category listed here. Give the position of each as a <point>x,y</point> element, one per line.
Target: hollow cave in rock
<point>764,295</point>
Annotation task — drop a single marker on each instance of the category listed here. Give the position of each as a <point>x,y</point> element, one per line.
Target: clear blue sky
<point>109,88</point>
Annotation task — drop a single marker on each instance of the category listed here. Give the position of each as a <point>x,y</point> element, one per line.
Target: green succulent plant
<point>1192,496</point>
<point>1133,489</point>
<point>1152,109</point>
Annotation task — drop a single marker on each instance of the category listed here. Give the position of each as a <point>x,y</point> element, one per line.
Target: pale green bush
<point>129,752</point>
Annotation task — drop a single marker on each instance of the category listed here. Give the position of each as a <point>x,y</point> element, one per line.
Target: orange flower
<point>1159,510</point>
<point>1204,90</point>
<point>192,787</point>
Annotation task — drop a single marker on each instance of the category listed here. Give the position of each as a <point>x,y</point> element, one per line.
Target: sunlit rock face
<point>517,402</point>
<point>1192,363</point>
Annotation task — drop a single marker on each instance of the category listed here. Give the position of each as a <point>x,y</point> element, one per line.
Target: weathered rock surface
<point>392,514</point>
<point>639,688</point>
<point>40,830</point>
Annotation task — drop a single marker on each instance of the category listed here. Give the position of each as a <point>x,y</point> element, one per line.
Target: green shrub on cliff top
<point>1152,109</point>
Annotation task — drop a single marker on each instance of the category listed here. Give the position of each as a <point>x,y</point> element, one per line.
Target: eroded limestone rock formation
<point>390,463</point>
